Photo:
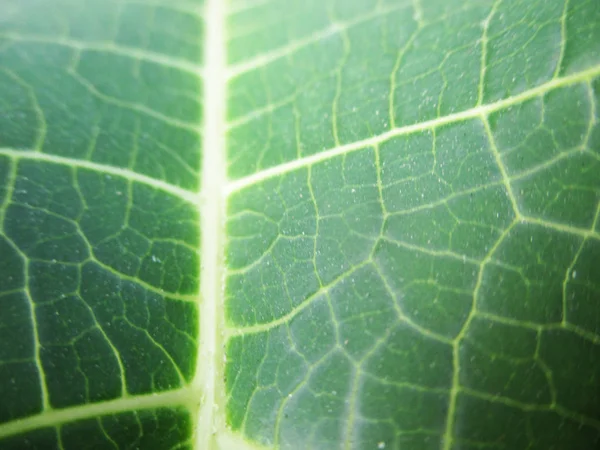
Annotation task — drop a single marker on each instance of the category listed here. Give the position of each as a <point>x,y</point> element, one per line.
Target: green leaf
<point>321,224</point>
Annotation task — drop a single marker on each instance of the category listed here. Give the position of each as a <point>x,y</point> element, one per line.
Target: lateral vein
<point>475,112</point>
<point>55,417</point>
<point>128,174</point>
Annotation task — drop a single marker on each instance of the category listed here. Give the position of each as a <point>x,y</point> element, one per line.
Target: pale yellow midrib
<point>209,363</point>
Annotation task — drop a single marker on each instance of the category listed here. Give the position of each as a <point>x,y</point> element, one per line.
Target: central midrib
<point>211,208</point>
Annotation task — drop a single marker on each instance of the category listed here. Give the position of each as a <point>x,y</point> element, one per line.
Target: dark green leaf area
<point>582,291</point>
<point>549,147</point>
<point>63,214</point>
<point>39,439</point>
<point>62,97</point>
<point>97,287</point>
<point>486,423</point>
<point>20,389</point>
<point>530,292</point>
<point>110,336</point>
<point>574,362</point>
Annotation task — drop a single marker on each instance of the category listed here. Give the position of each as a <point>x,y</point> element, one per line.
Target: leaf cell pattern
<point>399,249</point>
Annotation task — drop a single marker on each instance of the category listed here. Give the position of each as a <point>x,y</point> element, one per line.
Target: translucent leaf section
<point>99,222</point>
<point>413,224</point>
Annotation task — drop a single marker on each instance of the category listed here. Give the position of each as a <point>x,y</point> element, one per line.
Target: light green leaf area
<point>300,224</point>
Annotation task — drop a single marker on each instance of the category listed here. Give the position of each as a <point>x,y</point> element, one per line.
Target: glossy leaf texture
<point>318,224</point>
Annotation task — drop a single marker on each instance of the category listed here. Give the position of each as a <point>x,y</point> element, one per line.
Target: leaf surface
<point>300,224</point>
